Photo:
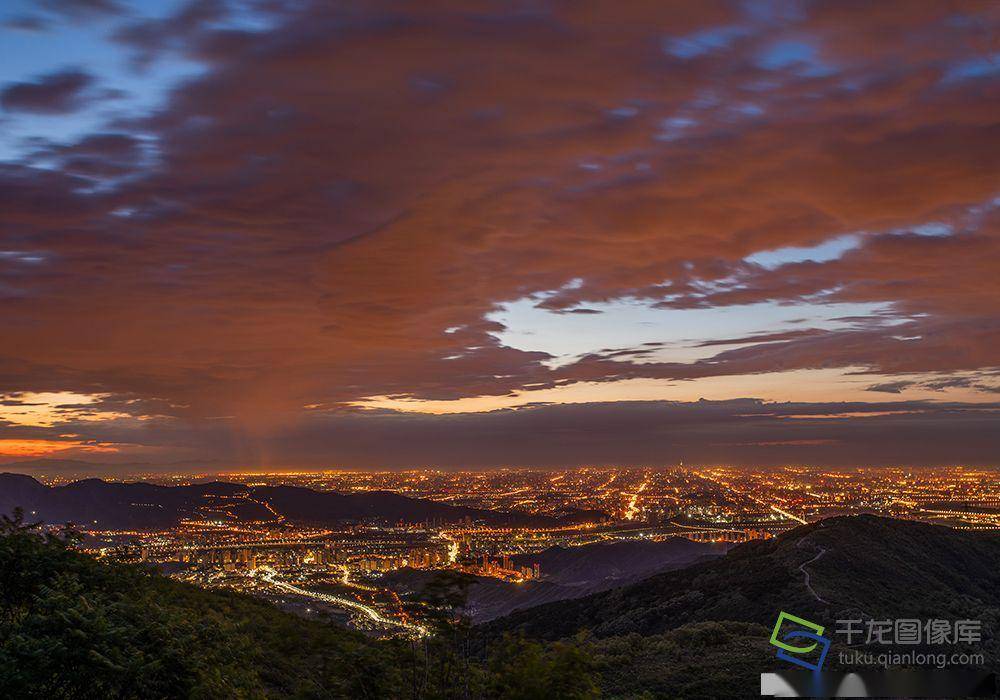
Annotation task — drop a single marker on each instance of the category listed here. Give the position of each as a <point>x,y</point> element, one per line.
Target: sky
<point>244,233</point>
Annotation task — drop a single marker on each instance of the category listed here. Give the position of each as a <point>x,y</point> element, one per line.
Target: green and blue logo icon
<point>800,654</point>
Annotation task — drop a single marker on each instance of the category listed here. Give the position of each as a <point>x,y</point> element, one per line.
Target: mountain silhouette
<point>860,566</point>
<point>113,505</point>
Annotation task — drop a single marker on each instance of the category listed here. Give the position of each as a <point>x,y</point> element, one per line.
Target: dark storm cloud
<point>345,182</point>
<point>97,155</point>
<point>180,32</point>
<point>740,431</point>
<point>764,338</point>
<point>986,381</point>
<point>890,387</point>
<point>737,431</point>
<point>56,93</point>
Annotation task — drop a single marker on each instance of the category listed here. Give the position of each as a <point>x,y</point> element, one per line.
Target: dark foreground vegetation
<point>72,626</point>
<point>75,627</point>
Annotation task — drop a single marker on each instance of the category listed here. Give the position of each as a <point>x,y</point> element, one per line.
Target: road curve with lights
<point>372,613</point>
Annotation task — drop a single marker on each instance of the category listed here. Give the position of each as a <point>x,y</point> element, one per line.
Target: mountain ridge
<point>703,631</point>
<point>117,505</point>
<point>567,572</point>
<point>859,566</point>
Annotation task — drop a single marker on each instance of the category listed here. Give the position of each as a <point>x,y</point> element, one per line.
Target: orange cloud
<point>45,448</point>
<point>331,210</point>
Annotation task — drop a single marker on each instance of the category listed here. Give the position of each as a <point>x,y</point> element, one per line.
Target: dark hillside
<point>863,566</point>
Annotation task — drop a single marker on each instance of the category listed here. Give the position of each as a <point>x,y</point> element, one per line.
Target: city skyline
<point>474,235</point>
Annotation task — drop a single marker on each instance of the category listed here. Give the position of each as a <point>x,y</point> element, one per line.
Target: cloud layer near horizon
<point>644,433</point>
<point>334,207</point>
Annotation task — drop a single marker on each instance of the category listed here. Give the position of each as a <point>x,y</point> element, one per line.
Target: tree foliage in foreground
<point>75,627</point>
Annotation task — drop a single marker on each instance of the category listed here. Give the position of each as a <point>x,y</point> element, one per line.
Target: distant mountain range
<point>114,505</point>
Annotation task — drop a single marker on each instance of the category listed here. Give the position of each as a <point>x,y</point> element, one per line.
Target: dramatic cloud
<point>634,433</point>
<point>338,203</point>
<point>51,94</point>
<point>98,155</point>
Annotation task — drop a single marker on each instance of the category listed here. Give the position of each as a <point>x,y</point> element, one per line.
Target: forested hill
<point>702,631</point>
<point>76,627</point>
<point>861,566</point>
<point>73,627</point>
